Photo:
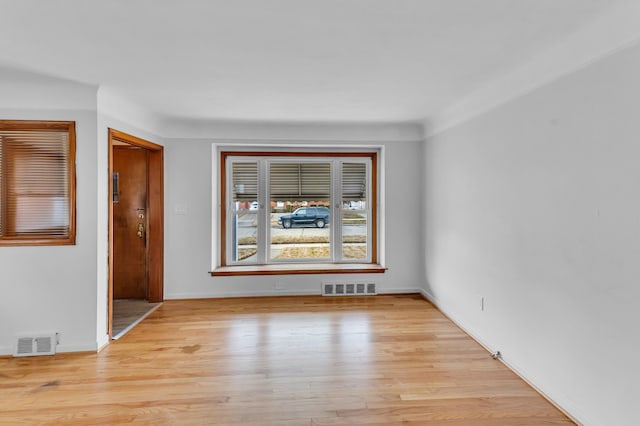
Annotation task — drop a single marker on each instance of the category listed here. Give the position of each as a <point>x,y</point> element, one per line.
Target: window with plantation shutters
<point>298,208</point>
<point>37,183</point>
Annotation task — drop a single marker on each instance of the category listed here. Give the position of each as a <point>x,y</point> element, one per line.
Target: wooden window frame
<point>41,125</point>
<point>297,267</point>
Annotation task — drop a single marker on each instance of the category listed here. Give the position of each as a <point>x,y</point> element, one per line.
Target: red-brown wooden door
<point>130,259</point>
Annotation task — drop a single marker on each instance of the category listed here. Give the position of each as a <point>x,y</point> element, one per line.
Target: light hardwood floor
<point>379,360</point>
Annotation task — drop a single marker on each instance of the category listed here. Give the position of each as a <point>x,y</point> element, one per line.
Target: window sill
<point>299,269</point>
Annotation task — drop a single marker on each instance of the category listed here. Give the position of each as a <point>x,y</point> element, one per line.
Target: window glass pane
<point>36,182</point>
<point>244,209</point>
<point>300,195</point>
<point>355,212</point>
<point>280,208</point>
<point>38,193</point>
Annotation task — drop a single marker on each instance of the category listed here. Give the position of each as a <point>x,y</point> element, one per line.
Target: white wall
<point>188,168</point>
<point>535,206</point>
<point>52,289</point>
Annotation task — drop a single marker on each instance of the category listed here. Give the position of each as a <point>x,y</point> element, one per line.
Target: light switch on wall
<point>180,209</point>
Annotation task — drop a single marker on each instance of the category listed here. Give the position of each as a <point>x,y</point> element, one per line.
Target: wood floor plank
<point>277,361</point>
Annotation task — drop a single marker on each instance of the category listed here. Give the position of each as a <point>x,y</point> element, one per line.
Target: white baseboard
<point>182,296</point>
<point>400,291</point>
<point>567,411</point>
<point>89,347</point>
<point>456,320</point>
<point>270,293</point>
<point>102,342</point>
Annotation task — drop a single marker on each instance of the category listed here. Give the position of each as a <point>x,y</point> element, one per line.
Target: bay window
<point>284,208</point>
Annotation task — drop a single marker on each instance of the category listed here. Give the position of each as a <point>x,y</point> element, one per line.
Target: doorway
<point>136,238</point>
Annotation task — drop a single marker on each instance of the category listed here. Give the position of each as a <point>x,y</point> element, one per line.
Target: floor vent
<point>348,289</point>
<point>41,344</point>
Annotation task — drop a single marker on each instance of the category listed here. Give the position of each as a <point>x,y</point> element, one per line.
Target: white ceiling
<point>287,60</point>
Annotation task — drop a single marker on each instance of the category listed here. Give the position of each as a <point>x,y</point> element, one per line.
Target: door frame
<point>155,215</point>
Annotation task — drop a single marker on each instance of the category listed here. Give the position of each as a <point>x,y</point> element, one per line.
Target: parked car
<point>318,216</point>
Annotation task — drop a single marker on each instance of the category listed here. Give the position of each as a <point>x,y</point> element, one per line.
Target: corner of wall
<point>120,109</point>
<point>612,32</point>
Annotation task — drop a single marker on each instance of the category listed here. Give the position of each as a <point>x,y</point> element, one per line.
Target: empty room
<point>300,212</point>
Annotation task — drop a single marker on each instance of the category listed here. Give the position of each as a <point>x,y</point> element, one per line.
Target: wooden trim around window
<point>222,226</point>
<point>374,209</point>
<point>297,268</point>
<point>40,125</point>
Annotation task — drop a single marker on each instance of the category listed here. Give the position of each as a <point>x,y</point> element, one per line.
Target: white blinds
<point>34,183</point>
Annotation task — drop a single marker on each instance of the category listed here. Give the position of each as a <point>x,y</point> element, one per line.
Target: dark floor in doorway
<point>127,313</point>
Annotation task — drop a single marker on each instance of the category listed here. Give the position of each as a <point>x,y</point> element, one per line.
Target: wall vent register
<point>349,289</point>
